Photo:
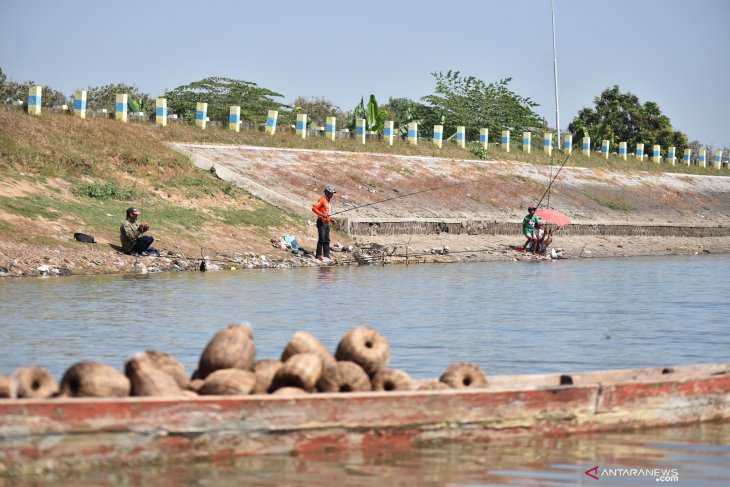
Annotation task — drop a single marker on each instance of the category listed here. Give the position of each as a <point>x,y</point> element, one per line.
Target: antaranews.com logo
<point>659,474</point>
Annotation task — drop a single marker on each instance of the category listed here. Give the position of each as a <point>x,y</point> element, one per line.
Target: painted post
<point>120,107</point>
<point>587,146</point>
<point>360,129</point>
<point>505,140</point>
<point>622,151</point>
<point>461,136</point>
<point>388,131</point>
<point>656,153</point>
<point>438,135</point>
<point>201,115</point>
<point>234,118</point>
<point>330,128</point>
<point>80,103</point>
<point>526,141</point>
<point>702,162</point>
<point>161,112</point>
<point>271,119</point>
<point>718,159</point>
<point>547,143</point>
<point>640,152</point>
<point>568,144</point>
<point>35,94</point>
<point>413,133</point>
<point>301,125</point>
<point>672,155</point>
<point>687,157</point>
<point>484,138</point>
<point>605,147</point>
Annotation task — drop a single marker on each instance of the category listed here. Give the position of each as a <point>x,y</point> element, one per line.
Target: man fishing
<point>323,209</point>
<point>130,233</point>
<point>528,228</point>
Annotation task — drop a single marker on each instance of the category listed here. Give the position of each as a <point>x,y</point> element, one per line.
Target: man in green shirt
<point>130,233</point>
<point>528,228</point>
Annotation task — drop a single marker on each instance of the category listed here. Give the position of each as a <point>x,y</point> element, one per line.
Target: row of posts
<point>234,123</point>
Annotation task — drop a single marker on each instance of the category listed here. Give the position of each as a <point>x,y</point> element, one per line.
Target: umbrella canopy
<point>548,215</point>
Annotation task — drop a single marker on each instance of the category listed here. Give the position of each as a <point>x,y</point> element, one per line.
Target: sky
<point>671,52</point>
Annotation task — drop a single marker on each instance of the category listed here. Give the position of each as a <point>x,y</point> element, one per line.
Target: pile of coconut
<point>228,366</point>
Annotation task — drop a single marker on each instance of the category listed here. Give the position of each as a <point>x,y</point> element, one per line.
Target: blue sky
<point>672,52</point>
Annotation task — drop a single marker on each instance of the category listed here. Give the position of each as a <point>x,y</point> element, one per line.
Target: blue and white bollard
<point>161,112</point>
<point>460,136</point>
<point>605,148</point>
<point>201,115</point>
<point>718,159</point>
<point>702,161</point>
<point>413,133</point>
<point>301,125</point>
<point>234,118</point>
<point>388,131</point>
<point>568,144</point>
<point>687,157</point>
<point>80,103</point>
<point>330,128</point>
<point>438,135</point>
<point>35,96</point>
<point>547,143</point>
<point>120,107</point>
<point>623,152</point>
<point>587,146</point>
<point>526,142</point>
<point>484,138</point>
<point>672,155</point>
<point>656,153</point>
<point>271,119</point>
<point>360,127</point>
<point>505,140</point>
<point>640,152</point>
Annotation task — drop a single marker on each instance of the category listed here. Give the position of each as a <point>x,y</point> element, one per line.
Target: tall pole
<point>555,73</point>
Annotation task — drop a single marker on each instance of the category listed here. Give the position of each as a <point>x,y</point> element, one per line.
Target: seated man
<point>130,233</point>
<point>544,238</point>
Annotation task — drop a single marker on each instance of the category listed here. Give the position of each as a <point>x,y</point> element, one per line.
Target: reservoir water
<point>507,317</point>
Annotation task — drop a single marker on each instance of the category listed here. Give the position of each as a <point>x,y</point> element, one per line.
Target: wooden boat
<point>77,433</point>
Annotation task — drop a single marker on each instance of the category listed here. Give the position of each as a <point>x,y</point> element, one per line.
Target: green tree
<point>620,117</point>
<point>99,97</point>
<point>374,116</point>
<point>11,91</point>
<point>404,111</point>
<point>475,104</point>
<point>220,94</point>
<point>318,109</point>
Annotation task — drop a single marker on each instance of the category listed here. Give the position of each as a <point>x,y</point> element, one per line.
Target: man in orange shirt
<point>323,209</point>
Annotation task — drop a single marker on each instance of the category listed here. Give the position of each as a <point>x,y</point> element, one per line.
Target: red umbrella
<point>548,215</point>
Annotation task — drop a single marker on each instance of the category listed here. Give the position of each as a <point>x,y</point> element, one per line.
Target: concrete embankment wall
<point>477,227</point>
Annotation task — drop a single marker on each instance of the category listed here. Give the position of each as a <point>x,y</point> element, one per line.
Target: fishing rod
<point>553,179</point>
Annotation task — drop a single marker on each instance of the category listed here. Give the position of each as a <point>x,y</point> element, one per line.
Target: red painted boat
<point>73,433</point>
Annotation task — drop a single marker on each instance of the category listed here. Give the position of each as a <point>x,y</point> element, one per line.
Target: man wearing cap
<point>528,228</point>
<point>131,232</point>
<point>323,209</point>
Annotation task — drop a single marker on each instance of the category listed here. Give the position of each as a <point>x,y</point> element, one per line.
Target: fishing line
<point>553,179</point>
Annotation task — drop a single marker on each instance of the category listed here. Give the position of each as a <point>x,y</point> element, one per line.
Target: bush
<point>104,191</point>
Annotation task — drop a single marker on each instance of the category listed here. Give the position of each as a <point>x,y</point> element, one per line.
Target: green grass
<point>110,190</point>
<point>5,227</point>
<point>609,201</point>
<point>263,217</point>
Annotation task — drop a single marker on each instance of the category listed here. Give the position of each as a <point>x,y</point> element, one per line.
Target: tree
<point>11,91</point>
<point>404,111</point>
<point>374,116</point>
<point>318,109</point>
<point>471,102</point>
<point>220,94</point>
<point>100,97</point>
<point>620,117</point>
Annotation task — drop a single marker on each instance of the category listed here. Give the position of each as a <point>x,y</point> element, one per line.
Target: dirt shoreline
<point>99,259</point>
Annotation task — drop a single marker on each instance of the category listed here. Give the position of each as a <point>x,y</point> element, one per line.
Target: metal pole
<point>555,72</point>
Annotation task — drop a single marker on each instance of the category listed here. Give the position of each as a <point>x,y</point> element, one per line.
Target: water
<point>507,317</point>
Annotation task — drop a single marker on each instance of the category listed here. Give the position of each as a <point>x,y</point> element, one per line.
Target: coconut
<point>366,347</point>
<point>147,379</point>
<point>464,376</point>
<point>228,382</point>
<point>232,348</point>
<point>91,379</point>
<point>7,391</point>
<point>289,391</point>
<point>301,370</point>
<point>265,371</point>
<point>169,365</point>
<point>343,377</point>
<point>302,342</point>
<point>392,380</point>
<point>34,382</point>
<point>432,385</point>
